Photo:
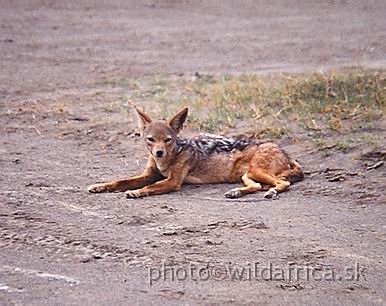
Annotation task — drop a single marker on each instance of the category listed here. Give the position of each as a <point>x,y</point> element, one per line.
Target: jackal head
<point>161,136</point>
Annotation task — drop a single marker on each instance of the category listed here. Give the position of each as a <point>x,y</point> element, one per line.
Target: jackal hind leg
<point>278,185</point>
<point>250,187</point>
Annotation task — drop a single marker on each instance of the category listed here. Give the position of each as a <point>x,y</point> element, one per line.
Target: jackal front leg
<point>172,183</point>
<point>149,176</point>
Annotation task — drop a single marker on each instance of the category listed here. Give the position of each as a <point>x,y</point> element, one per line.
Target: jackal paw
<point>233,193</point>
<point>97,188</point>
<point>271,194</point>
<point>132,194</point>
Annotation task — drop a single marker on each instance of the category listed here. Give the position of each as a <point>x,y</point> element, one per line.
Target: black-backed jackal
<point>174,160</point>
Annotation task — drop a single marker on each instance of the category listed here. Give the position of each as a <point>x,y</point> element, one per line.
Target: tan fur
<point>170,166</point>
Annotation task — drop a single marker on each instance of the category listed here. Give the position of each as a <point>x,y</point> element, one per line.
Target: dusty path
<point>51,45</point>
<point>63,126</point>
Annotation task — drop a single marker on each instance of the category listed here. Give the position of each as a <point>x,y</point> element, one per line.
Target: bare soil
<point>64,125</point>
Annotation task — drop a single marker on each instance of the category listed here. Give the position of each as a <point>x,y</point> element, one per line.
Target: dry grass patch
<point>314,102</point>
<point>342,102</point>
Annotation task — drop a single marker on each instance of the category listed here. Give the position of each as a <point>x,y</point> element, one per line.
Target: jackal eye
<point>150,139</point>
<point>168,139</point>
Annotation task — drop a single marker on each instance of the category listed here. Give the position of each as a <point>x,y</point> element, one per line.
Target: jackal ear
<point>143,119</point>
<point>177,122</point>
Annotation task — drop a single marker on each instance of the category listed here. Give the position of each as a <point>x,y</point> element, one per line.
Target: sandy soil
<point>64,126</point>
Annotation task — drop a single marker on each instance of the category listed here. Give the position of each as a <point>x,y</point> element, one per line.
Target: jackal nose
<point>159,153</point>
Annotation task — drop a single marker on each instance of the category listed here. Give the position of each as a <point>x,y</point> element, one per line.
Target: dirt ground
<point>65,126</point>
